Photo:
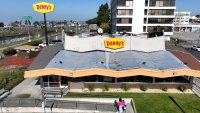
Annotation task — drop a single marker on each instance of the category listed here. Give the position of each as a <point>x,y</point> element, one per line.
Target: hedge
<point>9,51</point>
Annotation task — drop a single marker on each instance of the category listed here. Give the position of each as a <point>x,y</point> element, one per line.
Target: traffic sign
<point>27,17</point>
<point>43,7</point>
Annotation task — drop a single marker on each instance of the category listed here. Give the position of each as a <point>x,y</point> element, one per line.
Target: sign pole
<point>45,26</point>
<point>44,7</point>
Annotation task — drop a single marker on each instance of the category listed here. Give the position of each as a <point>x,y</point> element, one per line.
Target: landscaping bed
<point>9,80</point>
<point>152,103</point>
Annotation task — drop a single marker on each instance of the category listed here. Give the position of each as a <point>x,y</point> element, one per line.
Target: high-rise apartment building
<point>141,16</point>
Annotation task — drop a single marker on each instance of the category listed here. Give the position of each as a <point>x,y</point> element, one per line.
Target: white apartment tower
<point>142,16</point>
<point>182,21</point>
<point>182,18</point>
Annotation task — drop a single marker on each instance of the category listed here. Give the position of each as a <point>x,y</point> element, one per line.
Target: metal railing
<point>53,104</point>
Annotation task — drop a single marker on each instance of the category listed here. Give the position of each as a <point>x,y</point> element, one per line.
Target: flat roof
<point>26,47</point>
<point>126,60</point>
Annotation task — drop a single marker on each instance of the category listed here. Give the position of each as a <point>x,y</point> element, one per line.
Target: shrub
<point>34,43</point>
<point>9,51</point>
<point>8,80</point>
<point>91,87</point>
<point>164,88</point>
<point>182,88</point>
<point>126,87</point>
<point>105,88</point>
<point>143,88</point>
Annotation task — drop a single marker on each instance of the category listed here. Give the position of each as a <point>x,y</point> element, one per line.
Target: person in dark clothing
<point>116,105</point>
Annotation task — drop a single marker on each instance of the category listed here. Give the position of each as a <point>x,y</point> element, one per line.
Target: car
<point>42,45</point>
<point>196,47</point>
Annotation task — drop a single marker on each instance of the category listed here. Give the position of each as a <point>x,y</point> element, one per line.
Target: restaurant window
<point>64,81</point>
<point>144,79</point>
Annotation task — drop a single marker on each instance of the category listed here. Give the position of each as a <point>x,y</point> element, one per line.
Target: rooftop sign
<point>43,7</point>
<point>114,43</point>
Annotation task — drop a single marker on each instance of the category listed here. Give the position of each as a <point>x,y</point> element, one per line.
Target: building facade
<point>183,22</point>
<point>141,16</point>
<point>100,60</point>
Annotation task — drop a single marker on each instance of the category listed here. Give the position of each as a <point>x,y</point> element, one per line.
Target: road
<point>21,43</point>
<point>196,54</point>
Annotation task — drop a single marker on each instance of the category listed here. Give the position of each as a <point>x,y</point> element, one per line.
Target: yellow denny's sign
<point>43,7</point>
<point>114,43</point>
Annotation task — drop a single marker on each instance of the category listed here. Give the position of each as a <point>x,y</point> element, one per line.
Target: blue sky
<point>79,10</point>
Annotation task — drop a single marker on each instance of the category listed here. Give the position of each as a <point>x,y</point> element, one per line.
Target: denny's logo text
<point>114,43</point>
<point>43,7</point>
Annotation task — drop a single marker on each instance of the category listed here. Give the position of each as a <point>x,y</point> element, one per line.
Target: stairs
<point>196,86</point>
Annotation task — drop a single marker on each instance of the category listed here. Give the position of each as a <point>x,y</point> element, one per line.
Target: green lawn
<point>152,103</point>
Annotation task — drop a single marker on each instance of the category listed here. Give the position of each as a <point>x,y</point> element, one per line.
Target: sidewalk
<point>28,86</point>
<point>63,105</point>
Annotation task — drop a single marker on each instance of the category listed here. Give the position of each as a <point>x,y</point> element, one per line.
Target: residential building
<point>142,16</point>
<point>184,22</point>
<point>195,19</point>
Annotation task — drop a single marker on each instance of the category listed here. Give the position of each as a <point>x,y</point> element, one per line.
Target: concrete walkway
<point>28,86</point>
<point>107,101</point>
<point>64,105</point>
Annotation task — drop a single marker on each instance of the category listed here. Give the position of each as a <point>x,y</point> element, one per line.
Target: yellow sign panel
<point>114,43</point>
<point>43,7</point>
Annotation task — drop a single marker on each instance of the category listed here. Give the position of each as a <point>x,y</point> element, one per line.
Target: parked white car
<point>196,47</point>
<point>44,45</point>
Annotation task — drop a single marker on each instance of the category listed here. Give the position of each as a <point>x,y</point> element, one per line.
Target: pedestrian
<point>124,106</point>
<point>116,106</point>
<point>120,104</point>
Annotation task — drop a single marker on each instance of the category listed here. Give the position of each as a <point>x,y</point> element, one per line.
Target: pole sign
<point>27,17</point>
<point>114,43</point>
<point>43,7</point>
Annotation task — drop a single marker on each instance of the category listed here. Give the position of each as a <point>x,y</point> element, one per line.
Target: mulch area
<point>16,61</point>
<point>187,59</point>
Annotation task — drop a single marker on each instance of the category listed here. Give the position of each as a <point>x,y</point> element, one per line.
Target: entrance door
<point>51,81</point>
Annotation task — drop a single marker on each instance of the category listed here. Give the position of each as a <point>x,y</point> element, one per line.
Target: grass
<point>152,103</point>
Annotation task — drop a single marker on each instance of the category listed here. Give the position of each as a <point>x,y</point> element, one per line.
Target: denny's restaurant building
<point>101,60</point>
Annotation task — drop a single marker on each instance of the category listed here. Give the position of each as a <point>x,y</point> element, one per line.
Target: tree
<point>36,24</point>
<point>103,14</point>
<point>92,21</point>
<point>198,16</point>
<point>105,27</point>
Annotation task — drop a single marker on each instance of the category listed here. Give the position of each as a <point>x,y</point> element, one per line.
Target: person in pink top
<point>120,105</point>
